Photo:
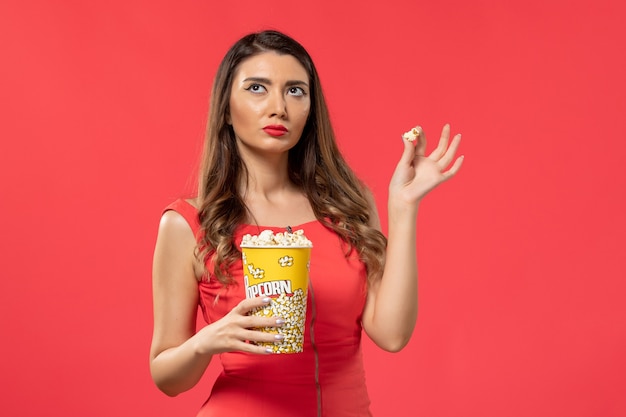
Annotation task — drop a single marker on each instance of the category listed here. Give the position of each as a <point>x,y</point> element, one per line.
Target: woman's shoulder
<point>180,215</point>
<point>177,236</point>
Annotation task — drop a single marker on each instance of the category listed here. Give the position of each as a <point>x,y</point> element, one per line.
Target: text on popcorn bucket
<point>268,288</point>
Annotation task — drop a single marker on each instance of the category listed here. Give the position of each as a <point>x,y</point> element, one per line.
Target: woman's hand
<point>233,331</point>
<point>417,174</point>
<point>391,308</point>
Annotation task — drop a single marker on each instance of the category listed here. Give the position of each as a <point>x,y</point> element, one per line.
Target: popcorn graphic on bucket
<point>277,266</point>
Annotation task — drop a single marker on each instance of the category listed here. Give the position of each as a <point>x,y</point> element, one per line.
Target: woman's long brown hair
<point>315,165</point>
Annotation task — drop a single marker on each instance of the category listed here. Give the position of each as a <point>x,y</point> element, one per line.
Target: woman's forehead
<point>272,66</point>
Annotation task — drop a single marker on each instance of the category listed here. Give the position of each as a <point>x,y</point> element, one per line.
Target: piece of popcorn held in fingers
<point>412,134</point>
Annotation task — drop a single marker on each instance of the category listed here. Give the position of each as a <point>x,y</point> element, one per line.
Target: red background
<point>103,106</point>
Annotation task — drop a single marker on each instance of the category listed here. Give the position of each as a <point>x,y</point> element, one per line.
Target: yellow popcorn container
<point>281,273</point>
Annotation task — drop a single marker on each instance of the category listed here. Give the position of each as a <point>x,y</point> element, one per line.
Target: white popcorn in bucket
<point>268,238</point>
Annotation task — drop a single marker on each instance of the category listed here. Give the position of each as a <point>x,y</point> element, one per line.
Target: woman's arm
<point>391,307</point>
<point>175,361</point>
<point>178,355</point>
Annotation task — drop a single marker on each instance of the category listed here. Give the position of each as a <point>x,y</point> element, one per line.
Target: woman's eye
<point>256,88</point>
<point>296,91</point>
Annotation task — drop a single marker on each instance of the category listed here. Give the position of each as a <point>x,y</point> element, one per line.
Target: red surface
<point>521,256</point>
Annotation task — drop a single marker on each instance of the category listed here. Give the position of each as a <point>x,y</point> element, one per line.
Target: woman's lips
<point>275,130</point>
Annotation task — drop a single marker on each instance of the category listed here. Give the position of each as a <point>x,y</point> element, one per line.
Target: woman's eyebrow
<point>258,80</point>
<point>289,83</point>
<point>296,82</point>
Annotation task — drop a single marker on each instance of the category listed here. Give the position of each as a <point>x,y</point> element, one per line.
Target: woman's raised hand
<point>417,174</point>
<point>233,331</point>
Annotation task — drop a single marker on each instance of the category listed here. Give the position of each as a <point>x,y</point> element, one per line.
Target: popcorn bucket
<point>281,273</point>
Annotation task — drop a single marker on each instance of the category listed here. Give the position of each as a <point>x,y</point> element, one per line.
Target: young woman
<point>271,161</point>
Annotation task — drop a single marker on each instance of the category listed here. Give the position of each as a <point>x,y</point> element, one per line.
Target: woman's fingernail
<point>280,321</point>
<point>269,350</point>
<point>266,300</point>
<point>279,337</point>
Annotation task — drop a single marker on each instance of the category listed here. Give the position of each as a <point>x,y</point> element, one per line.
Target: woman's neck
<point>267,177</point>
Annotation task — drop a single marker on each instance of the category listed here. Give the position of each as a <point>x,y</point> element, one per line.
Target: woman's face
<point>269,103</point>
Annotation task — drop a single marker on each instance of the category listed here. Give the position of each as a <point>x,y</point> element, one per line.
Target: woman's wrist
<point>402,211</point>
<point>199,344</point>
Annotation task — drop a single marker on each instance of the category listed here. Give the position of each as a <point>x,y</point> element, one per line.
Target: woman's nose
<point>277,105</point>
